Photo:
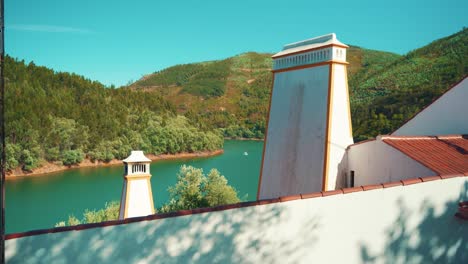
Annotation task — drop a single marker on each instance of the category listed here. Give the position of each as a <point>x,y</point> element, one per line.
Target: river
<point>40,202</point>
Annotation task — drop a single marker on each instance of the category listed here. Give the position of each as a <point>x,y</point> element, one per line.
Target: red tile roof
<point>442,154</point>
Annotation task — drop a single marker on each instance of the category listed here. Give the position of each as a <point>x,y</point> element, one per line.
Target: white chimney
<point>309,124</point>
<point>137,197</point>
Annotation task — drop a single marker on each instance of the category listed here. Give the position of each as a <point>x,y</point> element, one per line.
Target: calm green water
<point>40,202</point>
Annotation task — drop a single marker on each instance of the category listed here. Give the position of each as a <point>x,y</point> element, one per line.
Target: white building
<point>433,142</point>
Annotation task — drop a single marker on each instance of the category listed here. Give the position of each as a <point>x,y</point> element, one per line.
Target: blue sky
<point>115,41</point>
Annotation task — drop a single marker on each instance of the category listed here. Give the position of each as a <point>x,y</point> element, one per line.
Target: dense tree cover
<point>193,189</point>
<point>239,108</point>
<point>64,117</point>
<point>202,79</point>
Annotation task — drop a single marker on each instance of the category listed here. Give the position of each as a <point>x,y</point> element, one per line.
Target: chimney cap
<point>136,156</point>
<point>311,43</point>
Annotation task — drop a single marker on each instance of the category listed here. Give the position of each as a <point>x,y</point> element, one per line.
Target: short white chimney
<point>137,197</point>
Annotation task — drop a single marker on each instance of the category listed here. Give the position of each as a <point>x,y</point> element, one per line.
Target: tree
<point>72,157</point>
<point>194,189</point>
<point>13,155</point>
<point>218,191</point>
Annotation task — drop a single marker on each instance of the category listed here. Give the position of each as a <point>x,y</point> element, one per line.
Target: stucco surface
<point>139,200</point>
<point>340,128</point>
<point>294,151</point>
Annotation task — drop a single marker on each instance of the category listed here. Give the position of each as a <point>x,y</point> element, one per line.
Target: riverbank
<point>51,167</point>
<point>244,139</point>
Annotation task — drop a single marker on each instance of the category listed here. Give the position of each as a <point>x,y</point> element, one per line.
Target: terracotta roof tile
<point>411,181</point>
<point>372,187</point>
<point>392,184</point>
<point>430,178</point>
<point>352,189</point>
<point>332,192</point>
<point>311,195</point>
<point>290,198</point>
<point>442,154</point>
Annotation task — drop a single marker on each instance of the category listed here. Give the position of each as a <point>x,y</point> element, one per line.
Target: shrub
<point>194,189</point>
<point>70,157</point>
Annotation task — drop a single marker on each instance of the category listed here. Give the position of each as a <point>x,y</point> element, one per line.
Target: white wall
<point>375,162</point>
<point>446,116</point>
<point>406,224</point>
<point>294,150</point>
<point>340,126</point>
<point>123,200</point>
<point>139,200</point>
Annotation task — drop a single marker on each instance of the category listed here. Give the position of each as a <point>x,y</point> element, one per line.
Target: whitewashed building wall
<point>375,162</point>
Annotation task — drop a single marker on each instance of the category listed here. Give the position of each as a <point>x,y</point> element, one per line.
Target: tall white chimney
<point>309,125</point>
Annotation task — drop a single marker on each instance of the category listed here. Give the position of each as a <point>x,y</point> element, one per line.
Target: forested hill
<point>62,117</point>
<point>233,93</point>
<point>384,98</point>
<point>386,89</point>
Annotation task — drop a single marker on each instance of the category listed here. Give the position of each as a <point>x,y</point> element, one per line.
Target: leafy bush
<point>30,161</point>
<point>13,155</point>
<point>110,212</point>
<point>70,157</point>
<point>194,189</point>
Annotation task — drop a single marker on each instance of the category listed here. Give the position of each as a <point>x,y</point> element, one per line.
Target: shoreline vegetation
<point>52,167</point>
<point>49,167</point>
<point>244,139</point>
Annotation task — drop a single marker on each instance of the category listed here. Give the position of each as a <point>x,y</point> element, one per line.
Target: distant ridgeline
<point>64,117</point>
<point>386,88</point>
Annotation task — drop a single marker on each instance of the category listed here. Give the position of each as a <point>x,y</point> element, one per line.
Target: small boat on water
<point>246,154</point>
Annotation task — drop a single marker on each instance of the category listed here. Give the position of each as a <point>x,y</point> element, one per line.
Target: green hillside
<point>386,89</point>
<point>238,99</point>
<point>63,118</point>
<point>383,99</point>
